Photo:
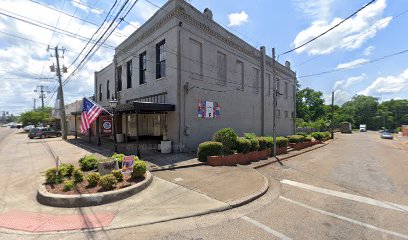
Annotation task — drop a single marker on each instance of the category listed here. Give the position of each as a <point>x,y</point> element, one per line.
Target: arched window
<point>107,90</point>
<point>100,92</point>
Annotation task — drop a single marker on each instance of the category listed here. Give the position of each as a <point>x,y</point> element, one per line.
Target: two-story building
<point>182,76</point>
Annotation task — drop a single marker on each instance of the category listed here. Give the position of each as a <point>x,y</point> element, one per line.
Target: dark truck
<point>43,133</point>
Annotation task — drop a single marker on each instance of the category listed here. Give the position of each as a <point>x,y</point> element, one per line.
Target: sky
<point>367,54</point>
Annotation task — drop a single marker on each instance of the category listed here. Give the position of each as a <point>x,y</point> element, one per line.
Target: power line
<point>355,65</point>
<point>328,30</point>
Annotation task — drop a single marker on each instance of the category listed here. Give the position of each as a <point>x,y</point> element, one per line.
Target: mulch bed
<point>81,188</point>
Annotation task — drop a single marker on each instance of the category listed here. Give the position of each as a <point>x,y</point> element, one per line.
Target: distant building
<point>187,77</point>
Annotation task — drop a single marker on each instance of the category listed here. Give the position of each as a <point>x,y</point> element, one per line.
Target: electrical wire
<point>328,30</point>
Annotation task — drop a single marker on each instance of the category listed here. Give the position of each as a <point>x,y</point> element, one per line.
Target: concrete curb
<point>86,200</point>
<point>294,155</point>
<point>177,167</point>
<point>252,197</point>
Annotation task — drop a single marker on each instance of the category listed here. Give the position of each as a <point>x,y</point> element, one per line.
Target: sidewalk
<point>172,195</point>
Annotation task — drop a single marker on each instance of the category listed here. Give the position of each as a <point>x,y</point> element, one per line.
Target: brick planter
<point>237,158</point>
<point>281,150</point>
<point>299,146</point>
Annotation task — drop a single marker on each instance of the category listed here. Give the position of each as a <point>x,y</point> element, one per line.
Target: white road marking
<point>266,228</point>
<point>348,196</point>
<point>366,225</point>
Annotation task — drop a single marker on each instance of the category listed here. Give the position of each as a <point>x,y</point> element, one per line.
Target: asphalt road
<point>354,188</point>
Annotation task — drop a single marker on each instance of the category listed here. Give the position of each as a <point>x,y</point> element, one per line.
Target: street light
<point>113,103</point>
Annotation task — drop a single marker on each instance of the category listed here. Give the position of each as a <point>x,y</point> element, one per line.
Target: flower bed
<point>237,158</point>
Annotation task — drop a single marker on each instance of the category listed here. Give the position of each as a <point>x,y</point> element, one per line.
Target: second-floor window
<point>129,74</point>
<point>160,60</point>
<point>240,73</point>
<point>107,90</point>
<point>255,80</point>
<point>142,68</point>
<point>286,90</point>
<point>119,74</point>
<point>100,92</point>
<point>222,68</point>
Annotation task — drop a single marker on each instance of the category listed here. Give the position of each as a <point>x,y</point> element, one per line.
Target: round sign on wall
<point>107,125</point>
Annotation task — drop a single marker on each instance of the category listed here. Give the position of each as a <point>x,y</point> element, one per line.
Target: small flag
<point>90,112</point>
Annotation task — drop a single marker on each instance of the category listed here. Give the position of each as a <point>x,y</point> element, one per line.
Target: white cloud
<point>388,85</point>
<point>368,50</point>
<point>237,19</point>
<point>353,64</point>
<point>347,83</point>
<point>144,9</point>
<point>317,9</point>
<point>340,97</point>
<point>351,34</point>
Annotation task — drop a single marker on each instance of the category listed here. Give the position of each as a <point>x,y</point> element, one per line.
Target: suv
<point>43,133</point>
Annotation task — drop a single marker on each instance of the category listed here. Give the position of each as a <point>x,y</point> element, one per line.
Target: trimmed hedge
<point>308,138</point>
<point>119,157</point>
<point>254,144</point>
<point>88,163</point>
<point>228,138</point>
<point>243,145</point>
<point>78,175</point>
<point>93,179</point>
<point>249,135</point>
<point>321,135</point>
<point>65,170</point>
<point>118,175</point>
<point>209,148</point>
<point>296,139</point>
<point>302,134</point>
<point>68,185</point>
<point>108,182</point>
<point>51,176</point>
<point>139,169</point>
<point>263,143</point>
<point>281,142</point>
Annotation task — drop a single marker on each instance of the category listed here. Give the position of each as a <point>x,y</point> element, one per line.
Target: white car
<point>28,128</point>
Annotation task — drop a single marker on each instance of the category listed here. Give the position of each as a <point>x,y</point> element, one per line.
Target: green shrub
<point>249,135</point>
<point>51,176</point>
<point>65,170</point>
<point>119,157</point>
<point>107,182</point>
<point>139,169</point>
<point>78,175</point>
<point>320,135</point>
<point>326,135</point>
<point>68,185</point>
<point>93,179</point>
<point>118,175</point>
<point>209,148</point>
<point>254,144</point>
<point>281,142</point>
<point>263,143</point>
<point>308,138</point>
<point>302,134</point>
<point>228,138</point>
<point>296,139</point>
<point>269,141</point>
<point>243,145</point>
<point>88,163</point>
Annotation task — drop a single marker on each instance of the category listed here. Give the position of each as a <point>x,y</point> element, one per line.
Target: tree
<point>309,105</point>
<point>363,110</point>
<point>36,117</point>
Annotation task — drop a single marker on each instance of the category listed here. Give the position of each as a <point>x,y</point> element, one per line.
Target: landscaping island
<point>97,181</point>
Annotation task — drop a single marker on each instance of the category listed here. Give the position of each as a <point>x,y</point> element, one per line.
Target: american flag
<point>90,112</point>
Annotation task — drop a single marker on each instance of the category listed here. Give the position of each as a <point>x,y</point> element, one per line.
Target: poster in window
<point>207,109</point>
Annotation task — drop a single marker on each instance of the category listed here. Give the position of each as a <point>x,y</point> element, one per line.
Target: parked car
<point>28,128</point>
<point>43,133</point>
<point>387,135</point>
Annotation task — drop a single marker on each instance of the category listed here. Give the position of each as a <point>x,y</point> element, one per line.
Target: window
<point>294,91</point>
<point>142,68</point>
<point>292,115</point>
<point>160,60</point>
<point>286,90</point>
<point>240,73</point>
<point>196,60</point>
<point>119,74</point>
<point>255,81</point>
<point>100,92</point>
<point>268,77</point>
<point>277,113</point>
<point>286,114</point>
<point>129,74</point>
<point>278,87</point>
<point>107,90</point>
<point>222,68</point>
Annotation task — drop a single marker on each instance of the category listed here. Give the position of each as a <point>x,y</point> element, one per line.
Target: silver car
<point>387,135</point>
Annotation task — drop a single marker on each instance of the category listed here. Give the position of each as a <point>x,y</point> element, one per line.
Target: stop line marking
<point>366,200</point>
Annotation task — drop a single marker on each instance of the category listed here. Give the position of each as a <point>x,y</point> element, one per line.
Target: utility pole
<point>60,91</point>
<point>275,95</point>
<point>332,115</point>
<point>42,95</point>
<point>34,103</point>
